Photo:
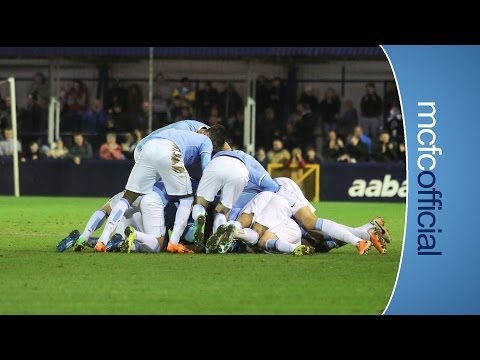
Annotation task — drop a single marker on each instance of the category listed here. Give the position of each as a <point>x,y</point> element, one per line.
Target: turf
<point>34,279</point>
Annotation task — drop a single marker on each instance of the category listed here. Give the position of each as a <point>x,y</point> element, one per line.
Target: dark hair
<point>218,135</point>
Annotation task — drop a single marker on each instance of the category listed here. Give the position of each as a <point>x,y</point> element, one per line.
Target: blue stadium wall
<point>338,181</point>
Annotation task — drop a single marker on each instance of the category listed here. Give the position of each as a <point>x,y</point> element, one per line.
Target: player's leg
<point>235,179</point>
<point>177,184</point>
<point>310,222</point>
<point>285,238</point>
<point>150,236</point>
<point>141,180</point>
<point>210,184</point>
<point>152,209</point>
<point>96,221</point>
<point>78,240</point>
<point>245,220</point>
<point>117,240</point>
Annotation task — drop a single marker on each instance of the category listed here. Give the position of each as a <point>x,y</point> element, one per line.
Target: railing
<point>300,177</point>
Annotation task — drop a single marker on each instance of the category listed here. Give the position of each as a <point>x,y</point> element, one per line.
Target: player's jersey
<point>256,172</point>
<point>244,198</point>
<point>190,144</point>
<point>189,125</point>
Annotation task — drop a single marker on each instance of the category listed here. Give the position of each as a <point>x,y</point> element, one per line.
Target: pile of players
<point>188,192</point>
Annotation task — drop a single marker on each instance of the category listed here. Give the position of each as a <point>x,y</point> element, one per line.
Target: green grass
<point>34,279</point>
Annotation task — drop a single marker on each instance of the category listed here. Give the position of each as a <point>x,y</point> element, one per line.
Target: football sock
<point>96,221</point>
<point>218,219</point>
<point>115,216</point>
<point>197,211</point>
<point>366,227</point>
<point>188,235</point>
<point>237,224</point>
<point>181,219</point>
<point>362,234</point>
<point>280,246</point>
<point>92,241</point>
<point>336,231</point>
<point>248,236</point>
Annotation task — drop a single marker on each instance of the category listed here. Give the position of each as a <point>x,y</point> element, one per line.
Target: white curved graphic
<point>406,161</point>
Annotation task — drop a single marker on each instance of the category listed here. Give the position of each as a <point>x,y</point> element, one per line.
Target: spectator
<point>39,88</point>
<point>5,119</point>
<point>214,118</point>
<point>186,92</point>
<point>391,98</point>
<point>334,148</point>
<point>33,152</point>
<point>311,156</point>
<point>261,95</point>
<point>262,158</point>
<point>292,136</point>
<point>395,124</point>
<point>236,128</point>
<point>80,149</point>
<point>110,127</point>
<point>141,120</point>
<point>162,97</point>
<point>116,95</point>
<point>76,104</point>
<point>266,128</point>
<point>358,131</point>
<point>330,110</point>
<point>308,96</point>
<point>276,96</point>
<point>121,121</point>
<point>31,118</point>
<point>305,129</point>
<point>279,155</point>
<point>386,150</point>
<point>296,165</point>
<point>111,150</point>
<point>230,101</point>
<point>128,146</point>
<point>348,120</point>
<point>371,111</point>
<point>40,94</point>
<point>94,119</point>
<point>186,112</point>
<point>176,109</point>
<point>137,136</point>
<point>297,159</point>
<point>57,150</point>
<point>401,153</point>
<point>134,100</point>
<point>207,97</point>
<point>77,97</point>
<point>6,145</point>
<point>356,150</point>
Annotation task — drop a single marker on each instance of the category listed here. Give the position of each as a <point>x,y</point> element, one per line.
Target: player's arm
<point>268,184</point>
<point>205,150</point>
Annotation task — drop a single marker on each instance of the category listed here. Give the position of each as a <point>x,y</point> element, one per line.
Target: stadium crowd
<point>321,129</point>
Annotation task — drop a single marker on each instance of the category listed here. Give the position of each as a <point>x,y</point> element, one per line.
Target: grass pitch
<point>34,279</point>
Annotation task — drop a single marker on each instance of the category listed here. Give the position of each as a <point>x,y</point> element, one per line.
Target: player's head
<point>218,134</point>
